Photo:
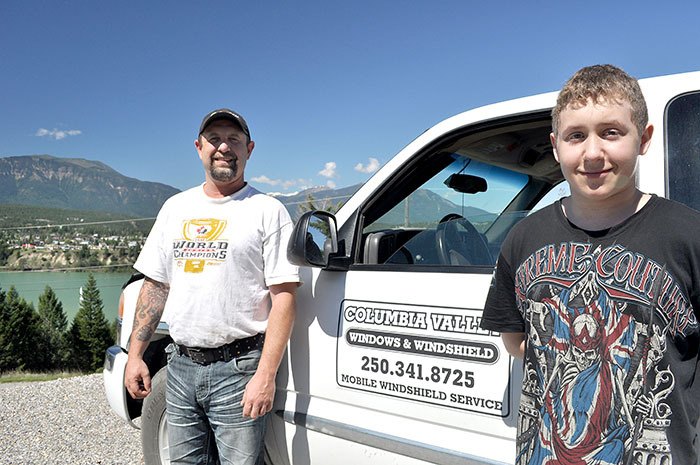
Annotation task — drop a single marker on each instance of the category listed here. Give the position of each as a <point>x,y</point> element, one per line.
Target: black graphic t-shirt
<point>611,323</point>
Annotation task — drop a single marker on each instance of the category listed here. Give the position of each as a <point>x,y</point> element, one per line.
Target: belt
<point>223,353</point>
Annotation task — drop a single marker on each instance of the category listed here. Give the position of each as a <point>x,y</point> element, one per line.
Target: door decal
<point>427,354</point>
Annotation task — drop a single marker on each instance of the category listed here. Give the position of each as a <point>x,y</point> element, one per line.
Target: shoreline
<point>66,285</point>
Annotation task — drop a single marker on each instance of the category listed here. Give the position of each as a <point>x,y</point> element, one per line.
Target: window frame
<point>672,156</point>
<point>406,178</point>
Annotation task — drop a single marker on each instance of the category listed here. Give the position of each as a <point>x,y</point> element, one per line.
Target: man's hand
<point>149,308</point>
<point>260,391</point>
<point>258,395</point>
<point>137,378</point>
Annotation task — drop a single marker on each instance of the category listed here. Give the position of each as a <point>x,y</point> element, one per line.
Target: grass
<point>23,377</point>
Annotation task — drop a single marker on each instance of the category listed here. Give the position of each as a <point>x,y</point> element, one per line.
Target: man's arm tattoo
<point>149,308</point>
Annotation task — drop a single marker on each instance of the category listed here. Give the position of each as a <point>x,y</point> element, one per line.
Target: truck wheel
<point>154,424</point>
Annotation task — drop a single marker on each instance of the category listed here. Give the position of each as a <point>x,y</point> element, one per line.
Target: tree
<point>310,205</point>
<point>53,325</point>
<point>85,257</point>
<point>22,344</point>
<point>4,333</point>
<point>51,310</point>
<point>5,252</point>
<point>90,333</point>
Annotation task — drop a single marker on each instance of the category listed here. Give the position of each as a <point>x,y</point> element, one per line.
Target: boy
<point>599,294</point>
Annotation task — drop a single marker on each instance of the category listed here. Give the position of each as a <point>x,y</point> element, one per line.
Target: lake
<point>66,284</point>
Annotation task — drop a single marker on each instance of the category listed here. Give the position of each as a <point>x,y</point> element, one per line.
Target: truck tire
<point>154,425</point>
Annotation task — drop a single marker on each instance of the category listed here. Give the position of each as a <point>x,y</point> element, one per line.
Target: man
<point>216,261</point>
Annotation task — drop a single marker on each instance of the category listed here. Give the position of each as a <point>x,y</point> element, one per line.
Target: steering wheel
<point>459,243</point>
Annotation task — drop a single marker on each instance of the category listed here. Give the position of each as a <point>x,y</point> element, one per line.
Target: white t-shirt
<point>219,256</point>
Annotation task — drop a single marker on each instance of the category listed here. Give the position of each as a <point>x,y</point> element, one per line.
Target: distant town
<point>71,247</point>
<point>39,237</point>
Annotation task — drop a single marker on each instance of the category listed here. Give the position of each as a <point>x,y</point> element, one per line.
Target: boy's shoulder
<point>672,219</point>
<point>673,211</point>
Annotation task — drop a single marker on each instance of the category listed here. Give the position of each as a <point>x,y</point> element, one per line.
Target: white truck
<point>387,363</point>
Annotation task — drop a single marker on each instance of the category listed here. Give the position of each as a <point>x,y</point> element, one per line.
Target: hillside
<point>72,190</point>
<point>424,206</point>
<point>26,217</point>
<point>77,184</point>
<point>42,238</point>
<point>322,198</point>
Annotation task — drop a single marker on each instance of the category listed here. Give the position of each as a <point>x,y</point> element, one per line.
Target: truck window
<point>426,206</point>
<point>683,149</point>
<point>559,191</point>
<point>454,205</point>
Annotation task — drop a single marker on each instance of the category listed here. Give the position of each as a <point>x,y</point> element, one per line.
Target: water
<point>66,284</point>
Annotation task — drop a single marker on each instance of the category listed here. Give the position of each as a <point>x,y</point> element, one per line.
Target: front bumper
<point>113,380</point>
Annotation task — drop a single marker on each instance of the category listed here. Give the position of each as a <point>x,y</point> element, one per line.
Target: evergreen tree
<point>113,329</point>
<point>5,252</point>
<point>22,342</point>
<point>310,205</point>
<point>4,334</point>
<point>90,333</point>
<point>54,324</point>
<point>85,257</point>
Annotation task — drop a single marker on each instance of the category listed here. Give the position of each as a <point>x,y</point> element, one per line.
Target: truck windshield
<point>432,201</point>
<point>454,205</point>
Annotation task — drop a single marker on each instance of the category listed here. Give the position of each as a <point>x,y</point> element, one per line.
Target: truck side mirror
<point>314,239</point>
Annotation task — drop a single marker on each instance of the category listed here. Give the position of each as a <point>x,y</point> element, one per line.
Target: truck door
<point>398,367</point>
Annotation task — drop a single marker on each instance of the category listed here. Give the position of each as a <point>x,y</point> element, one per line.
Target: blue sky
<point>330,89</point>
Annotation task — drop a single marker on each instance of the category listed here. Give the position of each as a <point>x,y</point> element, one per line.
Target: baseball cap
<point>224,113</point>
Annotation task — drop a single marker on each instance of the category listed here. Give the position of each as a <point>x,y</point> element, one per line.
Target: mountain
<point>77,184</point>
<point>424,207</point>
<point>324,198</point>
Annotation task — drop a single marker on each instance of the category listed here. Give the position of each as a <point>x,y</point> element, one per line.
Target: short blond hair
<point>602,84</point>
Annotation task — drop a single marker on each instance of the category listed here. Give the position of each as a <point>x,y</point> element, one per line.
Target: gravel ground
<point>66,421</point>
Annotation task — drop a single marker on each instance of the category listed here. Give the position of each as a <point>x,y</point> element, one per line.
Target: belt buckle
<point>196,355</point>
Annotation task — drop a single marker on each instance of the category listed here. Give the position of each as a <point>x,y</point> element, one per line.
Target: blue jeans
<point>205,418</point>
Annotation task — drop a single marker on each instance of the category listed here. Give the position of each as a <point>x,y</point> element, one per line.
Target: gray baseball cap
<point>224,113</point>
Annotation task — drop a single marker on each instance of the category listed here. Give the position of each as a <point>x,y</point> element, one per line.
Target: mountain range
<point>321,198</point>
<point>79,184</point>
<point>88,185</point>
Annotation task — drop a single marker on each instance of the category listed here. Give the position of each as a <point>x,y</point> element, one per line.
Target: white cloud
<point>265,180</point>
<point>281,182</point>
<point>330,184</point>
<point>56,134</point>
<point>371,167</point>
<point>329,170</point>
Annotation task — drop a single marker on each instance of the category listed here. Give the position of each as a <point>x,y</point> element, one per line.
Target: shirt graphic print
<point>201,244</point>
<point>596,383</point>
